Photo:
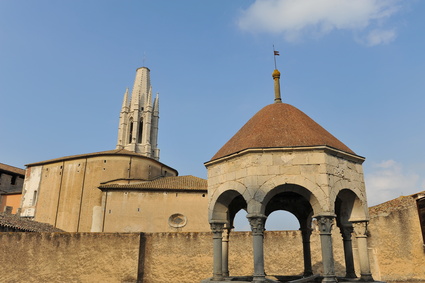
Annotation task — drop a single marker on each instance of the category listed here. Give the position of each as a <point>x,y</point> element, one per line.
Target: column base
<point>350,275</point>
<point>329,279</point>
<point>366,278</point>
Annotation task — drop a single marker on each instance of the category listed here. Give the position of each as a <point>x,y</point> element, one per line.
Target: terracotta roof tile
<point>280,125</point>
<point>12,169</point>
<point>25,225</point>
<point>184,183</point>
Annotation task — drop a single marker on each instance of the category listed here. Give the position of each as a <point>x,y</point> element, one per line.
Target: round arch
<point>349,207</point>
<point>297,184</point>
<point>292,198</point>
<point>226,201</point>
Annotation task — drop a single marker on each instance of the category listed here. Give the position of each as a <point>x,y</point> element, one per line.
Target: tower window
<point>139,138</point>
<point>130,136</point>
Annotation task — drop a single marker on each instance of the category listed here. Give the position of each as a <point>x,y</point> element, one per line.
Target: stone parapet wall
<point>396,240</point>
<point>68,257</point>
<point>151,257</point>
<point>396,254</point>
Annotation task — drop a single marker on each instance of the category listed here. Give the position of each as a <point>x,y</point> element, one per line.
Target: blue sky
<point>355,67</point>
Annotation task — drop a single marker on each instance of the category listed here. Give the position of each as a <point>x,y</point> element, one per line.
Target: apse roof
<point>280,125</point>
<point>172,183</point>
<point>115,152</point>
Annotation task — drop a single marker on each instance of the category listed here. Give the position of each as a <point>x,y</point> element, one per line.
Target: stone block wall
<point>396,240</point>
<point>68,257</point>
<point>396,253</point>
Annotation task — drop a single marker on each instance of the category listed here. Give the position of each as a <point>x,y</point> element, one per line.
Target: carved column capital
<point>217,228</point>
<point>360,229</point>
<point>325,223</point>
<point>257,223</point>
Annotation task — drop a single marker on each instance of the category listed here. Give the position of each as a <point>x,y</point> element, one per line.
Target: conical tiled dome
<point>280,125</point>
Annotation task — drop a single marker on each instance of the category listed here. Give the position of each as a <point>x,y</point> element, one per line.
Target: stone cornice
<point>324,148</point>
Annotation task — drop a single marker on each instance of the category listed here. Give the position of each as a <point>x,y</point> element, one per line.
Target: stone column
<point>217,230</point>
<point>306,233</point>
<point>325,227</point>
<point>360,229</point>
<point>348,251</point>
<point>257,227</point>
<point>225,252</point>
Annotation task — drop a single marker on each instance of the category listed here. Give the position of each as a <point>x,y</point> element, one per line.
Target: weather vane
<point>275,53</point>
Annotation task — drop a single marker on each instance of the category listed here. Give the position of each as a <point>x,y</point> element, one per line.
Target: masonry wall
<point>68,257</point>
<point>396,253</point>
<point>150,258</point>
<point>65,193</point>
<point>151,211</point>
<point>396,240</point>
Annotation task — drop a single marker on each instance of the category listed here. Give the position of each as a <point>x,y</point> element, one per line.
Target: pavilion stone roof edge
<point>116,152</point>
<point>337,152</point>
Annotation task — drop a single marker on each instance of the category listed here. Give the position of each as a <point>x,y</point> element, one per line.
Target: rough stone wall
<point>396,254</point>
<point>396,240</point>
<point>164,257</point>
<point>68,257</point>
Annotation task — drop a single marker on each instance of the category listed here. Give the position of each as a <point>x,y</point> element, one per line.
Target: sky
<point>355,67</point>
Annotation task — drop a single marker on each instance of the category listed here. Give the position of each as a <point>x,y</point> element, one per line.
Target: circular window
<point>177,220</point>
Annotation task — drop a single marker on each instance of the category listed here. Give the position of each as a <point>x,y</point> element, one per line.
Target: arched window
<point>139,138</point>
<point>130,131</point>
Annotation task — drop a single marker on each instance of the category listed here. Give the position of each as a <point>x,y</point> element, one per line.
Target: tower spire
<point>136,132</point>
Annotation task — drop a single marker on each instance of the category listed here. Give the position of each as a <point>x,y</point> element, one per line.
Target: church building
<point>122,190</point>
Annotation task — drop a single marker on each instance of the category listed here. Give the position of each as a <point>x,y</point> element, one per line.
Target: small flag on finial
<point>275,53</point>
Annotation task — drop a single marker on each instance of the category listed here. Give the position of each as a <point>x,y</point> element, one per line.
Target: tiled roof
<point>101,153</point>
<point>280,125</point>
<point>12,169</point>
<point>25,225</point>
<point>180,183</point>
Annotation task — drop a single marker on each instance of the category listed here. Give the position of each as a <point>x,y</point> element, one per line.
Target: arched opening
<point>290,203</point>
<point>281,220</point>
<point>140,134</point>
<point>130,131</point>
<point>348,208</point>
<point>240,222</point>
<point>292,198</point>
<point>222,220</point>
<point>226,206</point>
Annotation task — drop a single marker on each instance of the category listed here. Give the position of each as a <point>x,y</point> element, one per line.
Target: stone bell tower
<point>138,126</point>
